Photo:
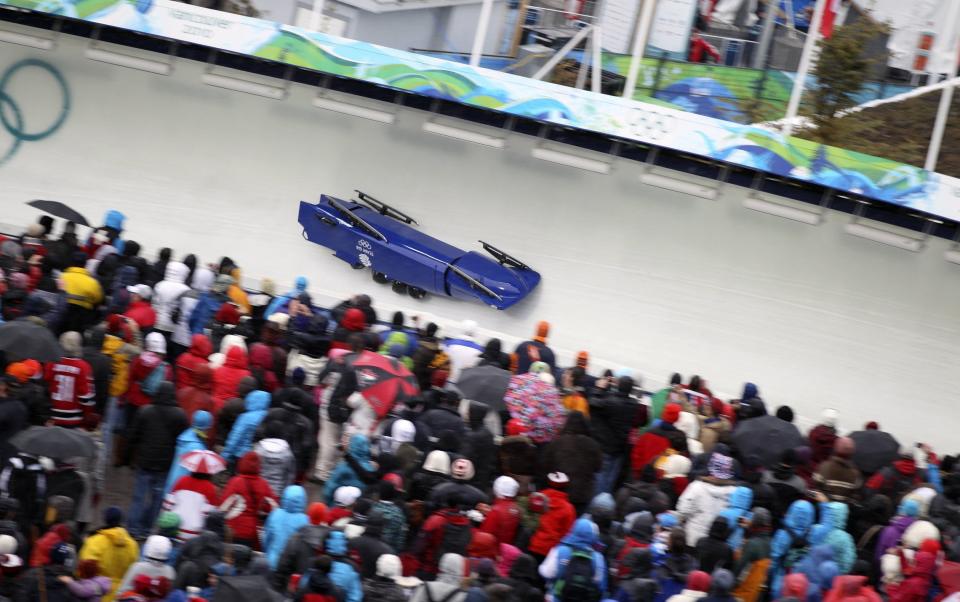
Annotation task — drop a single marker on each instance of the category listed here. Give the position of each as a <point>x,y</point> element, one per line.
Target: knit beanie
<point>317,513</point>
<point>698,581</point>
<point>113,516</point>
<point>671,413</point>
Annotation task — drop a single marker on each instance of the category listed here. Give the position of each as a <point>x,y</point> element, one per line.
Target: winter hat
<point>156,343</point>
<point>60,554</point>
<point>462,469</point>
<point>346,496</point>
<point>8,544</point>
<point>389,566</point>
<point>909,508</point>
<point>299,376</point>
<point>228,314</point>
<point>169,522</point>
<point>281,320</point>
<point>505,487</point>
<point>222,283</point>
<point>698,581</point>
<point>721,582</point>
<point>676,466</point>
<point>394,480</point>
<point>844,447</point>
<point>113,516</point>
<point>22,371</point>
<point>157,547</point>
<point>142,290</point>
<point>35,230</point>
<point>543,331</point>
<point>583,359</point>
<point>602,503</point>
<point>403,431</point>
<point>671,413</point>
<point>796,585</point>
<point>439,378</point>
<point>785,413</point>
<point>202,420</point>
<point>437,461</point>
<point>872,426</point>
<point>317,513</point>
<point>72,344</point>
<point>919,532</point>
<point>930,546</point>
<point>720,466</point>
<point>667,520</point>
<point>516,427</point>
<point>558,480</point>
<point>829,417</point>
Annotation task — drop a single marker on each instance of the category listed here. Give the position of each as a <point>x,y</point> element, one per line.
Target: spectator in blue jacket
<point>193,438</point>
<point>831,531</point>
<point>284,522</point>
<point>240,440</point>
<point>788,540</point>
<point>741,501</point>
<point>342,572</point>
<point>209,303</point>
<point>283,301</point>
<point>345,472</point>
<point>583,537</point>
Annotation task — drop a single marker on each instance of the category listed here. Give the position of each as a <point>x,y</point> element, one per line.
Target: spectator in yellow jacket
<point>113,549</point>
<point>84,294</point>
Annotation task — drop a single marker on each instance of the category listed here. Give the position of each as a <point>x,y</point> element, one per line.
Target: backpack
<point>343,384</point>
<point>447,598</point>
<point>455,539</point>
<point>151,383</point>
<point>576,583</point>
<point>24,480</point>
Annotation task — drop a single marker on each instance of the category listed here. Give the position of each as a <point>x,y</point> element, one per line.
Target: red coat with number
<point>70,381</point>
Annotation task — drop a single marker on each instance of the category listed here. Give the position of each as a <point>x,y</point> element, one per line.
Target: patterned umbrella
<point>383,381</point>
<point>203,461</point>
<point>536,403</point>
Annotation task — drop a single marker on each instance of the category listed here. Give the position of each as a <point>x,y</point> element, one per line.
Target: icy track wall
<point>639,276</point>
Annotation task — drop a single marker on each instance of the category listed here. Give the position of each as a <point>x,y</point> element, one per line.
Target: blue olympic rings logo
<point>11,114</point>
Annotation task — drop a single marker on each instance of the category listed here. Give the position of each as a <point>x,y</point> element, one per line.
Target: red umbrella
<point>383,381</point>
<point>203,461</point>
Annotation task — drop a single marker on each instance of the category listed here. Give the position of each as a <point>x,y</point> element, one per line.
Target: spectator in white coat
<point>706,497</point>
<point>166,295</point>
<point>200,284</point>
<point>464,351</point>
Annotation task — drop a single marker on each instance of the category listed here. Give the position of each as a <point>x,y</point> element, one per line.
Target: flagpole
<point>806,61</point>
<point>946,97</point>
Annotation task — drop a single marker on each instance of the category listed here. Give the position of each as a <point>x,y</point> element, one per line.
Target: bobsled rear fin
<point>503,258</point>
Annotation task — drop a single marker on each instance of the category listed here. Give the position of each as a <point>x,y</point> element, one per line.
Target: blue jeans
<point>609,471</point>
<point>147,499</point>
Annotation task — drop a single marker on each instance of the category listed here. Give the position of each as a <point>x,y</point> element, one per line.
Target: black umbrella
<point>245,588</point>
<point>25,339</point>
<point>874,450</point>
<point>766,438</point>
<point>54,442</point>
<point>58,209</point>
<point>487,384</point>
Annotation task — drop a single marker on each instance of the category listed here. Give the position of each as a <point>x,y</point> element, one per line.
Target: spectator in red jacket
<point>246,497</point>
<point>700,49</point>
<point>918,584</point>
<point>140,310</point>
<point>197,396</point>
<point>228,376</point>
<point>197,355</point>
<point>70,382</point>
<point>503,520</point>
<point>261,365</point>
<point>558,518</point>
<point>192,498</point>
<point>142,372</point>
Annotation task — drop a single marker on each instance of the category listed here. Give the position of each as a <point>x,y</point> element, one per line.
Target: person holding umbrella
<point>194,495</point>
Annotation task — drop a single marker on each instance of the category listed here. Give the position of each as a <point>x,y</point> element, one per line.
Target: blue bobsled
<point>371,234</point>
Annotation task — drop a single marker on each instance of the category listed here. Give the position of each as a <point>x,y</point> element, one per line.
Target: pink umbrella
<point>203,461</point>
<point>537,404</point>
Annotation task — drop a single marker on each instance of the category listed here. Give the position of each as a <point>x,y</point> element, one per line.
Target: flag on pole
<point>829,16</point>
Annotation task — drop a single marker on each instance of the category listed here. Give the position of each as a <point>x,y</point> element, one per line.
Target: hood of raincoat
<point>359,447</point>
<point>257,401</point>
<point>836,515</point>
<point>201,346</point>
<point>249,464</point>
<point>294,499</point>
<point>923,565</point>
<point>799,517</point>
<point>336,543</point>
<point>176,272</point>
<point>274,448</point>
<point>795,585</point>
<point>261,356</point>
<point>353,320</point>
<point>202,279</point>
<point>236,358</point>
<point>301,284</point>
<point>741,498</point>
<point>451,568</point>
<point>583,535</point>
<point>849,585</point>
<point>202,420</point>
<point>437,461</point>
